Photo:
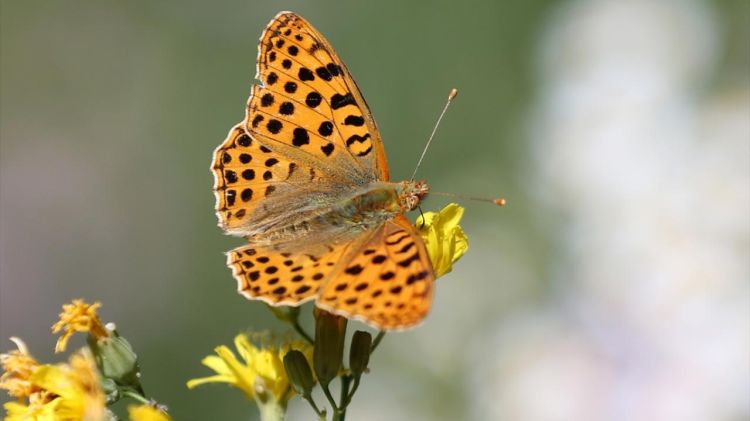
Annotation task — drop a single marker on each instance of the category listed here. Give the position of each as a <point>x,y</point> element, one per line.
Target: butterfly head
<point>411,193</point>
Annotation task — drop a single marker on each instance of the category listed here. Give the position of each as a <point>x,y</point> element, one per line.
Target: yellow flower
<point>146,413</point>
<point>78,316</point>
<point>444,238</point>
<point>18,366</point>
<point>260,371</point>
<point>64,392</point>
<point>77,386</point>
<point>36,410</point>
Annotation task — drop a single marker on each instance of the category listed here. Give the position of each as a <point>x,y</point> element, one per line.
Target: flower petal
<point>444,239</point>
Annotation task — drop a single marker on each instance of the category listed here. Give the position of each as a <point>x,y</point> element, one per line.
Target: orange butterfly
<point>304,178</point>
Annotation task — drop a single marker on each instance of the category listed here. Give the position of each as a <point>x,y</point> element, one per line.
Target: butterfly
<point>304,178</point>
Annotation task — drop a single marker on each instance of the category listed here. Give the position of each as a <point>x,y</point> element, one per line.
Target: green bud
<point>359,352</point>
<point>299,373</point>
<point>111,391</point>
<point>285,313</point>
<point>116,359</point>
<point>330,333</point>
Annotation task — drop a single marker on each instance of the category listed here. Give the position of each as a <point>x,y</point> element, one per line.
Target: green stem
<point>135,395</point>
<point>343,402</point>
<point>302,332</point>
<point>354,390</point>
<point>377,340</point>
<point>271,411</point>
<point>332,401</point>
<point>311,401</point>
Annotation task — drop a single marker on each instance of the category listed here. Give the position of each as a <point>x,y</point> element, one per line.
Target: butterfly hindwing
<point>387,282</point>
<point>310,106</point>
<point>281,278</point>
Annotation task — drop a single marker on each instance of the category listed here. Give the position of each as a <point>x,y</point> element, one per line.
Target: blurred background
<point>614,285</point>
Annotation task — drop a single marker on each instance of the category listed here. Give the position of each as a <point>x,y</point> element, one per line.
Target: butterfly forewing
<point>309,103</point>
<point>246,174</point>
<point>386,282</point>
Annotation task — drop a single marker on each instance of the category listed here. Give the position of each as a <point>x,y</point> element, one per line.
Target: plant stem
<point>354,389</point>
<point>344,401</point>
<point>302,332</point>
<point>311,401</point>
<point>377,340</point>
<point>271,411</point>
<point>332,401</point>
<point>134,395</point>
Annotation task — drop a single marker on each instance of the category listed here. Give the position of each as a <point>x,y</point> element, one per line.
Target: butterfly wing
<point>304,134</point>
<point>308,106</point>
<point>246,174</point>
<point>386,281</point>
<point>281,279</point>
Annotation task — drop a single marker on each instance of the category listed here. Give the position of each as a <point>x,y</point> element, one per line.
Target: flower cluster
<point>258,372</point>
<point>82,387</point>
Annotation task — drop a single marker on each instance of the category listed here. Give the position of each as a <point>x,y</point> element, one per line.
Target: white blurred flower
<point>652,181</point>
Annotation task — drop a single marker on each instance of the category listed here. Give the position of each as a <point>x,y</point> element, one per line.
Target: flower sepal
<point>328,350</point>
<point>299,372</point>
<point>116,360</point>
<point>359,352</point>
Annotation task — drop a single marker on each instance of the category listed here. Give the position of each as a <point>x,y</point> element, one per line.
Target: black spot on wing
<point>286,108</point>
<point>357,138</point>
<point>300,137</point>
<point>274,126</point>
<point>313,99</point>
<point>338,100</point>
<point>406,248</point>
<point>325,129</point>
<point>354,120</point>
<point>365,152</point>
<point>266,100</point>
<point>416,277</point>
<point>354,270</point>
<point>305,74</point>
<point>327,149</point>
<point>290,87</point>
<point>395,238</point>
<point>409,260</point>
<point>323,73</point>
<point>334,69</point>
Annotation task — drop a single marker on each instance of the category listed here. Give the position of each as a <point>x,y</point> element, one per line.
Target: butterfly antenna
<point>451,95</point>
<point>500,201</point>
